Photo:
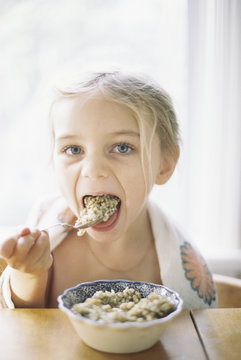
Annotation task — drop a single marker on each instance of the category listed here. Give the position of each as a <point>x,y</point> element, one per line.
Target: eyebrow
<point>115,133</point>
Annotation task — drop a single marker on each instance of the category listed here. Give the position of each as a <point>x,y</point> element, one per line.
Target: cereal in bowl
<point>125,306</point>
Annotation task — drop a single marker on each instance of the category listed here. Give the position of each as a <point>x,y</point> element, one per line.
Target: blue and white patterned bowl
<point>124,337</point>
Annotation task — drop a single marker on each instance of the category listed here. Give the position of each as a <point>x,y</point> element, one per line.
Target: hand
<point>28,251</point>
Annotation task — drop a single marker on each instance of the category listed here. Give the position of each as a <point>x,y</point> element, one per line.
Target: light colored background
<point>191,47</point>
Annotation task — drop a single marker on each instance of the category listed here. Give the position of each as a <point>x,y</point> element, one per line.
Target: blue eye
<point>73,150</point>
<point>122,148</point>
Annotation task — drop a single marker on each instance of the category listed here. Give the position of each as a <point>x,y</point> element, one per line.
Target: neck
<point>128,252</point>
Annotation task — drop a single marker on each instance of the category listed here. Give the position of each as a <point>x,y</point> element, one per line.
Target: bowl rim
<point>119,324</point>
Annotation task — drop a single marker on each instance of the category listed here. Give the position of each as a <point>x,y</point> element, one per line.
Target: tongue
<point>107,223</point>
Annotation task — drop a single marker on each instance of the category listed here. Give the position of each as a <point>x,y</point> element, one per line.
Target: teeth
<point>97,207</point>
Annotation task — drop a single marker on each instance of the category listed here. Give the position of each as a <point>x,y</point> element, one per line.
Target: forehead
<point>95,111</point>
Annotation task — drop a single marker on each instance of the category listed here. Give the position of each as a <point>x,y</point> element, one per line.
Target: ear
<point>167,167</point>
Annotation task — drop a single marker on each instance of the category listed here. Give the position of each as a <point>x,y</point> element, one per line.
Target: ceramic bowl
<point>124,337</point>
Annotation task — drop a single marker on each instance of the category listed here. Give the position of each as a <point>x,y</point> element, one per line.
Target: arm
<point>28,290</point>
<point>29,257</point>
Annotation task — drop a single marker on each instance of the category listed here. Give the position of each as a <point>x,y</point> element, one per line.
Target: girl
<point>115,134</point>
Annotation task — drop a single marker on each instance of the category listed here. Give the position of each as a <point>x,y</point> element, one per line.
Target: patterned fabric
<point>176,259</point>
<point>198,273</point>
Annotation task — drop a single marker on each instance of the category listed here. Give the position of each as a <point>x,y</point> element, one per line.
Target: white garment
<point>183,269</point>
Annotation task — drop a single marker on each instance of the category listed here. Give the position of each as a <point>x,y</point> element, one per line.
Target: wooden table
<point>47,334</point>
<point>220,332</point>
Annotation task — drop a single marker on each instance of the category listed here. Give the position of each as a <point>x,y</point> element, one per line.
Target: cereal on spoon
<point>97,207</point>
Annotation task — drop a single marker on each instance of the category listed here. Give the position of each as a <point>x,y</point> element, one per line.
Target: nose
<point>94,166</point>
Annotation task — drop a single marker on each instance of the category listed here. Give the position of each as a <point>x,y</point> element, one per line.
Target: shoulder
<point>182,266</point>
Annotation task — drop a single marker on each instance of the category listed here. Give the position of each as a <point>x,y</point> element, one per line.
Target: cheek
<point>134,184</point>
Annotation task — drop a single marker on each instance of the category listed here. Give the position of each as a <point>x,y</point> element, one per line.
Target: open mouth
<point>104,207</point>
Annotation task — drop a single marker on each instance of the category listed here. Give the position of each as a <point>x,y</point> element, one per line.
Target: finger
<point>24,232</point>
<point>7,247</point>
<point>41,245</point>
<point>45,261</point>
<point>25,243</point>
<point>40,258</point>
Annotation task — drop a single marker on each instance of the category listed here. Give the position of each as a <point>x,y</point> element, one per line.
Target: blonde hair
<point>148,102</point>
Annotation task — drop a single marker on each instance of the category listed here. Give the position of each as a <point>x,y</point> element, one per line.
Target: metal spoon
<point>78,227</point>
